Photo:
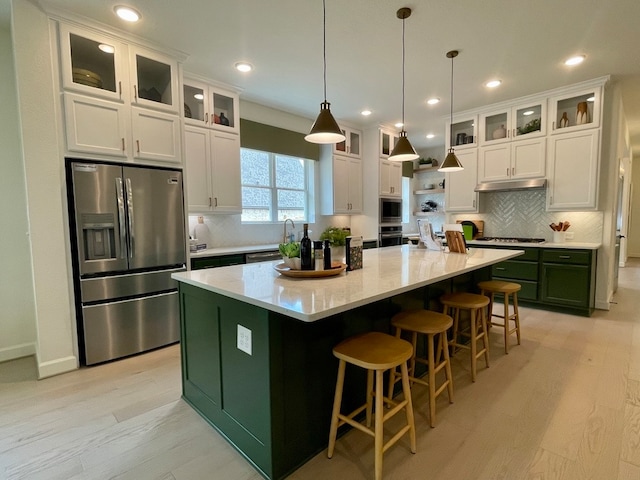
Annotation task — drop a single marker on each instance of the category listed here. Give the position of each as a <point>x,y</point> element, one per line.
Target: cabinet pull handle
<point>206,118</point>
<point>135,93</point>
<point>500,268</point>
<point>564,257</point>
<point>120,89</point>
<point>513,171</point>
<point>507,171</point>
<point>216,201</point>
<point>138,145</point>
<point>509,133</point>
<point>553,125</point>
<point>210,201</point>
<point>123,144</point>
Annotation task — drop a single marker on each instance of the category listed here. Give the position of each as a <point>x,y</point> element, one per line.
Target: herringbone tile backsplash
<point>522,214</point>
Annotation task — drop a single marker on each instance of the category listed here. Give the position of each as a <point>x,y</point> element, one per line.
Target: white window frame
<point>308,188</point>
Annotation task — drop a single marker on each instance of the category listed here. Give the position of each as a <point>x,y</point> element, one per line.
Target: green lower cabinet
<point>219,261</point>
<point>566,285</point>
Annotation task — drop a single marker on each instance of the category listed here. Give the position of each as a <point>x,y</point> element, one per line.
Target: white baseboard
<point>603,305</point>
<point>56,367</point>
<point>17,351</point>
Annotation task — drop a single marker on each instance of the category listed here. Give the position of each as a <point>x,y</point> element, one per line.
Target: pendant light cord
<point>403,73</point>
<point>324,47</point>
<point>451,126</point>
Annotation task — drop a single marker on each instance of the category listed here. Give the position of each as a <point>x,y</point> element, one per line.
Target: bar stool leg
<point>337,400</point>
<point>409,407</point>
<point>369,396</point>
<point>378,437</point>
<point>432,380</point>
<point>517,316</point>
<point>507,317</point>
<point>485,336</point>
<point>393,373</point>
<point>474,344</point>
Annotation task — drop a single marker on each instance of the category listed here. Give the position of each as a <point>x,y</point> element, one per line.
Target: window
<point>274,186</point>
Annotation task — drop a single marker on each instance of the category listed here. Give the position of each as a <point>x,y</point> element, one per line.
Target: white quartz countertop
<point>219,251</point>
<point>386,272</point>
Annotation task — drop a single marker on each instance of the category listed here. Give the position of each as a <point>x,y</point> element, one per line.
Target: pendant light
<point>451,162</point>
<point>325,129</point>
<point>403,151</point>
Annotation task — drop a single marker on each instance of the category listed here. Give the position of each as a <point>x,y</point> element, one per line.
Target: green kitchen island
<point>257,359</point>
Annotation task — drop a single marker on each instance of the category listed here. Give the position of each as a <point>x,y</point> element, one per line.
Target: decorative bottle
<point>318,257</point>
<point>306,262</point>
<point>327,255</point>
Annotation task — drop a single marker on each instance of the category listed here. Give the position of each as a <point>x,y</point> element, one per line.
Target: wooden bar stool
<point>477,326</point>
<point>430,324</point>
<point>506,288</point>
<point>375,352</point>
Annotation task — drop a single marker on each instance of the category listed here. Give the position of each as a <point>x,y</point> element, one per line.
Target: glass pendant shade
<point>325,129</point>
<point>403,151</point>
<point>451,163</point>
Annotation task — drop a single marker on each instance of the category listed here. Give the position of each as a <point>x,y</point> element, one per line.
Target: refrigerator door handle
<point>121,218</point>
<point>132,239</point>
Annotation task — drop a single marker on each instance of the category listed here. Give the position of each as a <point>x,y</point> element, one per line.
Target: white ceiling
<point>522,42</point>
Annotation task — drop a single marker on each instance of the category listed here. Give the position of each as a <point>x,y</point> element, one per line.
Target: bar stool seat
<point>376,352</point>
<point>431,324</point>
<point>475,304</point>
<point>506,288</point>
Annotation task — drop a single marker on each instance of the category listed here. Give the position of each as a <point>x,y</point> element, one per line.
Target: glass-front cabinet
<point>154,79</point>
<point>462,133</point>
<point>208,106</point>
<point>513,123</point>
<point>92,63</point>
<point>352,145</point>
<point>388,140</point>
<point>575,111</point>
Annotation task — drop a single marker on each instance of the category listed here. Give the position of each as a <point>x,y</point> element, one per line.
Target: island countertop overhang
<point>387,272</point>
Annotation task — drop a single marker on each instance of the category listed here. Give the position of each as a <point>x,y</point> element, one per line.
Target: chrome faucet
<point>284,232</point>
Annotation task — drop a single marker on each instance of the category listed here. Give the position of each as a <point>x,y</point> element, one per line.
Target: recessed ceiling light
<point>430,135</point>
<point>127,14</point>
<point>577,60</point>
<point>493,83</point>
<point>591,99</point>
<point>244,67</point>
<point>433,101</point>
<point>199,96</point>
<point>106,48</point>
<point>399,125</point>
<point>527,113</point>
<point>366,113</point>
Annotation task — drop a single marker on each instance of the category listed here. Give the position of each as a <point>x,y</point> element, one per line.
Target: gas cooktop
<point>511,239</point>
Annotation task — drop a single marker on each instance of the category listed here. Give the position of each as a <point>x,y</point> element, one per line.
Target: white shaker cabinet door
<point>225,172</point>
<point>156,135</point>
<point>95,126</point>
<point>460,194</point>
<point>198,169</point>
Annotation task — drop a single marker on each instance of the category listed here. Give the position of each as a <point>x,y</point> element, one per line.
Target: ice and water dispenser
<point>98,236</point>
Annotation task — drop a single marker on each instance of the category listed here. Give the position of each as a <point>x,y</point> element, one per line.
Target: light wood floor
<point>563,405</point>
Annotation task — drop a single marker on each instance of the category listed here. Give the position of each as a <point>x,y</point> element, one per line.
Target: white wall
<point>43,164</point>
<point>17,316</point>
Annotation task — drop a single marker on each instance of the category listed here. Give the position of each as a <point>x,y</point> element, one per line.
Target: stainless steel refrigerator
<point>127,236</point>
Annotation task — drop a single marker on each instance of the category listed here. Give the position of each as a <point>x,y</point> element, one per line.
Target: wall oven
<point>390,211</point>
<point>390,235</point>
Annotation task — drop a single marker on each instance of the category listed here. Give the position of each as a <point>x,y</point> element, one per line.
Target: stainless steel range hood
<point>512,185</point>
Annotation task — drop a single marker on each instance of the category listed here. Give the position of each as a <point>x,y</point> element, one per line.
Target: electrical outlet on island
<point>244,339</point>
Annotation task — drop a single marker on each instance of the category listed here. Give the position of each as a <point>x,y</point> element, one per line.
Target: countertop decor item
<point>532,126</point>
<point>337,236</point>
<point>451,162</point>
<point>325,129</point>
<point>403,150</point>
<point>336,269</point>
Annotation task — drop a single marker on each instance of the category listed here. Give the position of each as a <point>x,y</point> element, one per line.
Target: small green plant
<point>289,250</point>
<point>336,236</point>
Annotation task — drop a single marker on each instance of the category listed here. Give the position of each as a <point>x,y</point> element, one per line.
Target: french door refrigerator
<point>127,238</point>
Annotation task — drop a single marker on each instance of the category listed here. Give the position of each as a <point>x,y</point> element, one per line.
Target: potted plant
<point>338,239</point>
<point>290,254</point>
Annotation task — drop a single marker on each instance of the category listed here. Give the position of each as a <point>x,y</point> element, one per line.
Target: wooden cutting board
<point>455,242</point>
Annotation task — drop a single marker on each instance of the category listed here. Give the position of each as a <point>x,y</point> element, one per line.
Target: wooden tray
<point>336,269</point>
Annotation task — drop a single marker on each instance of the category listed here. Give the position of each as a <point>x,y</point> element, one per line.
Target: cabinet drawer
<point>573,257</point>
<point>221,261</point>
<point>515,270</point>
<point>529,290</point>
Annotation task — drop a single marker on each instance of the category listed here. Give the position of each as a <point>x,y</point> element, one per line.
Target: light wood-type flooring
<point>563,405</point>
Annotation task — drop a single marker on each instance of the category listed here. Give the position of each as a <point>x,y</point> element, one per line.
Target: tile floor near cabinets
<point>563,405</point>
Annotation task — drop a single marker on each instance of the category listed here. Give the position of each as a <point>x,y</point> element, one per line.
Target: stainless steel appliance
<point>390,210</point>
<point>127,236</point>
<point>390,235</point>
<point>263,256</point>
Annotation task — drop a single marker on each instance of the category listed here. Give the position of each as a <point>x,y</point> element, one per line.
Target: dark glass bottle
<point>306,249</point>
<point>327,255</point>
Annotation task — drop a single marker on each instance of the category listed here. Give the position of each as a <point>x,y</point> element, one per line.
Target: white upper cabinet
<point>575,110</point>
<point>388,140</point>
<point>352,146</point>
<point>390,178</point>
<point>206,105</point>
<point>460,194</point>
<point>93,64</point>
<point>518,122</point>
<point>510,161</point>
<point>154,79</point>
<point>462,133</point>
